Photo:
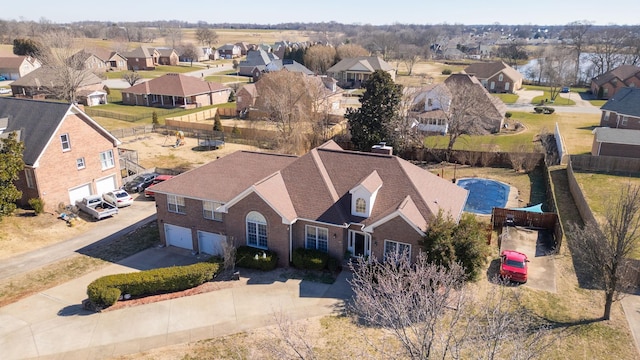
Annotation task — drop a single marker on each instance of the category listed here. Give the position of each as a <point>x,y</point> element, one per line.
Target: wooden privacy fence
<point>548,221</point>
<point>609,164</point>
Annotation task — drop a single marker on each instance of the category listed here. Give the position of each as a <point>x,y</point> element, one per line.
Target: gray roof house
<point>255,58</point>
<point>352,72</point>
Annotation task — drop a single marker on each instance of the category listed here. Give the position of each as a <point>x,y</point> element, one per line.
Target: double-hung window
<point>106,159</point>
<point>65,142</point>
<point>317,238</point>
<point>175,204</point>
<point>395,248</point>
<point>209,210</point>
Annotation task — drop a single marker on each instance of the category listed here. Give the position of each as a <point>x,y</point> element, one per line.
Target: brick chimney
<point>382,148</point>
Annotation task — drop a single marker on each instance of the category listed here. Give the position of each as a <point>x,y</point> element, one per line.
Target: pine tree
<point>217,124</point>
<point>370,124</point>
<point>10,166</point>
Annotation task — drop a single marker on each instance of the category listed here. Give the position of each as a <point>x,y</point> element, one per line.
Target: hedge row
<point>252,258</point>
<point>106,290</point>
<point>310,259</point>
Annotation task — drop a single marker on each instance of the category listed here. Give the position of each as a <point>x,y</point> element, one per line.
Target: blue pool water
<point>484,195</point>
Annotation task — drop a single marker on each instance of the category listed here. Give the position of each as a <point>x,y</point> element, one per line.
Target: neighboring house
<point>142,58</point>
<point>608,84</point>
<point>432,106</point>
<point>352,72</point>
<point>90,61</point>
<point>229,51</point>
<point>15,67</point>
<point>336,201</point>
<point>280,65</point>
<point>622,110</point>
<point>45,83</point>
<point>176,90</point>
<point>497,77</point>
<point>616,142</point>
<point>167,56</point>
<point>256,61</point>
<point>322,91</point>
<point>67,155</point>
<point>113,60</point>
<point>244,47</point>
<point>488,114</point>
<point>429,108</point>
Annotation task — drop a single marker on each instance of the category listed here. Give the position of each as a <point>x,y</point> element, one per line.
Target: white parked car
<point>5,91</point>
<point>119,198</point>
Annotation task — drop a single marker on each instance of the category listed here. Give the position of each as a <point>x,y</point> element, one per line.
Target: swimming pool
<point>484,195</point>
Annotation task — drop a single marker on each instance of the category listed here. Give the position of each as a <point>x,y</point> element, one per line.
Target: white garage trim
<point>106,184</point>
<point>78,193</point>
<point>178,236</point>
<point>210,243</point>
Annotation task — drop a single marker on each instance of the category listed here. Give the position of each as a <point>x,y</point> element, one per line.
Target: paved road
<point>525,96</point>
<point>127,220</point>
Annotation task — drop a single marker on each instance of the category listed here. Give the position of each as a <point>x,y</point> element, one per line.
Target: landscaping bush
<point>37,205</point>
<point>310,259</point>
<point>544,110</point>
<point>106,290</point>
<point>333,264</point>
<point>246,257</point>
<point>446,72</point>
<point>508,115</point>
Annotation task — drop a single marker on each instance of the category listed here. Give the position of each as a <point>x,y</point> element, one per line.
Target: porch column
<point>173,101</point>
<point>162,100</point>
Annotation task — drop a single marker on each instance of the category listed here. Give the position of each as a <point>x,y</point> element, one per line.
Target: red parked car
<point>148,192</point>
<point>514,266</point>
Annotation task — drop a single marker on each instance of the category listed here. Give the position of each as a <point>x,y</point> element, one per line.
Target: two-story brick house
<point>608,84</point>
<point>496,77</point>
<point>67,155</point>
<point>336,201</point>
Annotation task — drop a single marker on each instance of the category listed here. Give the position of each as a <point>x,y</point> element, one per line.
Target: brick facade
<point>57,170</point>
<point>397,230</point>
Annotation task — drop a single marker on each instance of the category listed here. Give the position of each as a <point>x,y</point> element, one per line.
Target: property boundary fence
<point>133,131</point>
<point>127,117</point>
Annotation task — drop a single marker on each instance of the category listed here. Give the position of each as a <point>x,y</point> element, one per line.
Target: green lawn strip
<point>76,265</point>
<point>159,71</point>
<point>560,101</point>
<point>507,98</point>
<point>597,103</point>
<point>231,78</point>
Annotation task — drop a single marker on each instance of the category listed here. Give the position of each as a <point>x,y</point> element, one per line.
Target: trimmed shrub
<point>106,290</point>
<point>333,264</point>
<point>310,259</point>
<point>446,72</point>
<point>253,258</point>
<point>508,115</point>
<point>37,205</point>
<point>544,110</point>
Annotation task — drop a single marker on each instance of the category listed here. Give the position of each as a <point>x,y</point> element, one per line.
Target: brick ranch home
<point>328,199</point>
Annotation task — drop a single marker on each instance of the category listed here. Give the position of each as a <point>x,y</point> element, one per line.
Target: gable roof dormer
<point>363,195</point>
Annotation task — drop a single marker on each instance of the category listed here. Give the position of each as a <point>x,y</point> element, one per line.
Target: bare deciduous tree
<point>206,36</point>
<point>345,51</point>
<point>229,255</point>
<point>292,339</point>
<point>131,77</point>
<point>319,58</point>
<point>557,69</point>
<point>59,55</point>
<point>604,248</point>
<point>190,52</point>
<point>575,36</point>
<point>172,36</point>
<point>607,48</point>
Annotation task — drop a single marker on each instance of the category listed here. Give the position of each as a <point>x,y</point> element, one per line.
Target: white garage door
<point>78,193</point>
<point>178,236</point>
<point>210,243</point>
<point>106,184</point>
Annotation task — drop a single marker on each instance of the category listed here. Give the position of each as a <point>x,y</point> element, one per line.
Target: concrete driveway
<point>53,325</point>
<point>537,245</point>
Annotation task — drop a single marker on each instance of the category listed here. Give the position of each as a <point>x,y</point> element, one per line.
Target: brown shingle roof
<point>316,186</point>
<point>622,72</point>
<point>175,85</point>
<point>48,77</point>
<point>11,62</point>
<point>486,70</point>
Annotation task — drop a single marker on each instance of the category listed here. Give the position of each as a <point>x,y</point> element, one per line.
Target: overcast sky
<point>375,12</point>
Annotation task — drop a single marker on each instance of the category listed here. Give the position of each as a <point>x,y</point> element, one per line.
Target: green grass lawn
<point>560,101</point>
<point>228,79</point>
<point>597,103</point>
<point>159,71</point>
<point>507,98</point>
<point>575,128</point>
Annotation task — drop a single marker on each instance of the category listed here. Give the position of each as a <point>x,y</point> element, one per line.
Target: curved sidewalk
<point>53,325</point>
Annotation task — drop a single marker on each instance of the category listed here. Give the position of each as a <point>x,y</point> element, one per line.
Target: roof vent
<point>382,148</point>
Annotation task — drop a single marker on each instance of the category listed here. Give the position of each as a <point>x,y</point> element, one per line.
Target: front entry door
<point>359,243</point>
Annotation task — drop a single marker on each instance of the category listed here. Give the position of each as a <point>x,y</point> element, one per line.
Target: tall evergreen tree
<point>10,166</point>
<point>371,123</point>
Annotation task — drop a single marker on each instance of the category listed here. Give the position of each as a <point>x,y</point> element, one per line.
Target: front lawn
<point>597,103</point>
<point>507,98</point>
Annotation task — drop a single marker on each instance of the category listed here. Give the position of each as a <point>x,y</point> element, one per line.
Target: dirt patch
<point>24,231</point>
<point>157,150</point>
